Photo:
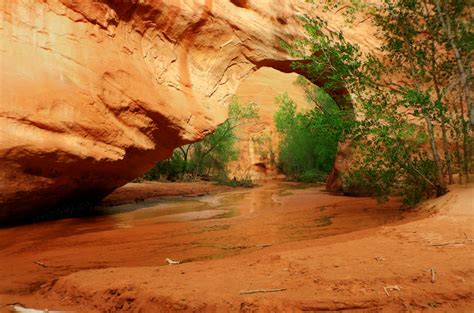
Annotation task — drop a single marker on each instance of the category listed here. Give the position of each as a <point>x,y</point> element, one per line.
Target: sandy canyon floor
<point>308,250</point>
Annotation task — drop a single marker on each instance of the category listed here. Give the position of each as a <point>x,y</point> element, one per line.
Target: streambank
<point>327,252</point>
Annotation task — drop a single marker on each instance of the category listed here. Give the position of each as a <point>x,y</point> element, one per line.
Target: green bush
<point>309,140</point>
<point>170,169</point>
<point>245,182</point>
<point>208,158</point>
<point>415,187</point>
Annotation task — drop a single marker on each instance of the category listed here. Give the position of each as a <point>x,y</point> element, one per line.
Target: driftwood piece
<point>248,292</point>
<point>448,243</point>
<point>391,288</point>
<point>40,264</point>
<point>433,275</point>
<point>20,308</point>
<point>172,262</point>
<point>464,242</point>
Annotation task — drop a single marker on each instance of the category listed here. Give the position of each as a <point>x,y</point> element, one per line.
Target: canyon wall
<point>93,93</point>
<point>258,143</point>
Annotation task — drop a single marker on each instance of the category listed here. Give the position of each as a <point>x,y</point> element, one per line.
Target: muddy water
<point>187,229</point>
<point>179,209</point>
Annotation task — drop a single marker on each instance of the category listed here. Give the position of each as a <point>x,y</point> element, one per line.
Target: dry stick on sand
<point>248,292</point>
<point>172,262</point>
<point>448,243</point>
<point>433,275</point>
<point>391,288</point>
<point>40,264</point>
<point>20,308</point>
<point>467,241</point>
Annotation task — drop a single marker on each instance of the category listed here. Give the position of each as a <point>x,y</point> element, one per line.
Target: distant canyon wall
<point>258,143</point>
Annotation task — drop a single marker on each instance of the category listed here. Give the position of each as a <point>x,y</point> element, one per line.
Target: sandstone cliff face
<point>259,142</point>
<point>93,93</point>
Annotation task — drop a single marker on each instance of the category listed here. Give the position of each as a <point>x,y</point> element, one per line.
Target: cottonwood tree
<point>424,38</point>
<point>387,137</point>
<point>309,139</point>
<point>216,150</point>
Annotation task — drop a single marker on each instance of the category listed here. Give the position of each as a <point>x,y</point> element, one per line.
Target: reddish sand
<point>329,253</point>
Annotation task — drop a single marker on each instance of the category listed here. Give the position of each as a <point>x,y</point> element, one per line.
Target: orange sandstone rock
<point>93,93</point>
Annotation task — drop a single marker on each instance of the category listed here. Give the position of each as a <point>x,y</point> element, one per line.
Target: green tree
<point>210,156</point>
<point>401,24</point>
<point>452,22</point>
<point>309,140</point>
<point>388,142</point>
<point>170,169</point>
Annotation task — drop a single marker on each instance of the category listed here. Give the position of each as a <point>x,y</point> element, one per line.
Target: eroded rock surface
<point>93,93</point>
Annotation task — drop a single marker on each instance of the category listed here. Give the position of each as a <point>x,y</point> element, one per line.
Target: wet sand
<point>320,247</point>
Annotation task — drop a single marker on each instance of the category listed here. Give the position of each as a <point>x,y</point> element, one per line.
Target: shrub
<point>245,182</point>
<point>309,140</point>
<point>209,157</point>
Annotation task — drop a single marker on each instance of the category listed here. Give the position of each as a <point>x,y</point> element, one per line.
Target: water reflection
<point>179,209</point>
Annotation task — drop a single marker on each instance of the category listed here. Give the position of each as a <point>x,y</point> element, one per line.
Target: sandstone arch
<point>94,92</point>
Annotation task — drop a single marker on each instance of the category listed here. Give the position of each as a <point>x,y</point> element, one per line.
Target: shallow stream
<point>185,229</point>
